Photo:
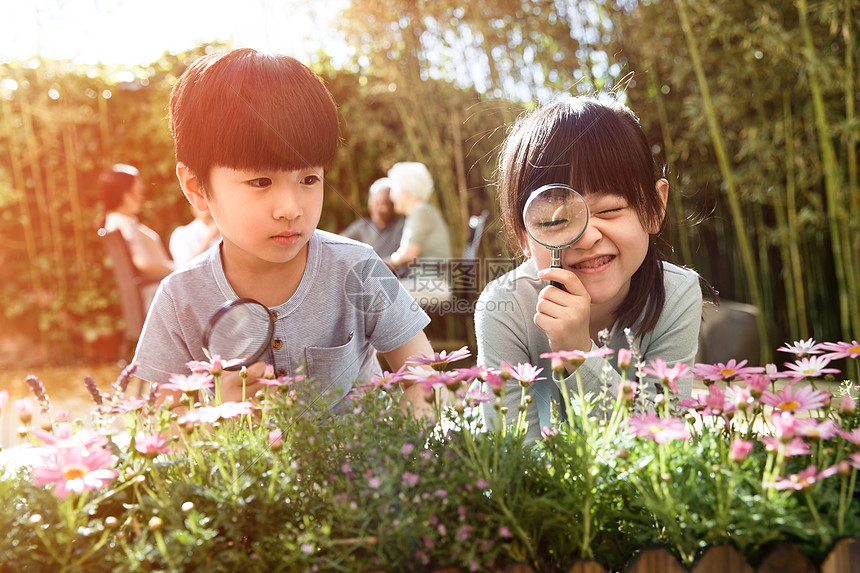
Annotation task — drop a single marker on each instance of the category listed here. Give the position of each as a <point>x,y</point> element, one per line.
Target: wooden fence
<point>784,558</point>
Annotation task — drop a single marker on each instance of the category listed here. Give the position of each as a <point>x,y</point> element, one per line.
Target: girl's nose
<point>590,237</point>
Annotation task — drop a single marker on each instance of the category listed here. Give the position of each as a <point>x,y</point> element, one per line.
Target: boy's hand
<point>231,383</point>
<point>564,314</point>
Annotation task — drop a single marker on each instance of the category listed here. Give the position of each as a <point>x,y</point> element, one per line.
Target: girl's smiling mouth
<point>594,265</point>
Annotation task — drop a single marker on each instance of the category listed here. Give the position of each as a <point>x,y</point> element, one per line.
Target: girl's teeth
<point>593,263</point>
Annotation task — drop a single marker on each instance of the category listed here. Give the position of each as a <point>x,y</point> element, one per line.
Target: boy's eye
<point>260,182</point>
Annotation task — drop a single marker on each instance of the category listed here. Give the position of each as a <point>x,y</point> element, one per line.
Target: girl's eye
<point>260,182</point>
<point>310,179</point>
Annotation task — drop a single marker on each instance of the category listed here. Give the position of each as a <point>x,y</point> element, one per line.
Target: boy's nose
<point>287,206</point>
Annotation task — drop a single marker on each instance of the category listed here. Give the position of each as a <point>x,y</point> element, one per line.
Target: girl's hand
<point>564,315</point>
<point>231,383</point>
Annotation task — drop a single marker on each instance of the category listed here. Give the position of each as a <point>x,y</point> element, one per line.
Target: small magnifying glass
<point>241,329</point>
<point>555,216</point>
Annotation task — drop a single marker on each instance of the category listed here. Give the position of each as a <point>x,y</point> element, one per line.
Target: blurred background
<point>751,105</point>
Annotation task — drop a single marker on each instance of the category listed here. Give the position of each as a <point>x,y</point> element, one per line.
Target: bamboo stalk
<point>835,203</point>
<point>746,253</point>
<point>795,263</point>
<point>683,239</point>
<point>28,229</point>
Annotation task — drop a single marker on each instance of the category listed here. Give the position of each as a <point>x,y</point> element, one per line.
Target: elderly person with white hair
<point>383,227</point>
<point>425,245</point>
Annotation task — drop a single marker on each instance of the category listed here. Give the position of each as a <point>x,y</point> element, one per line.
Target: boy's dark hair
<point>593,146</point>
<point>245,110</point>
<point>114,183</point>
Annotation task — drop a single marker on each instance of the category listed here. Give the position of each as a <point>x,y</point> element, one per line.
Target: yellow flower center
<point>789,406</point>
<point>74,472</point>
<point>726,372</point>
<point>855,349</point>
<point>655,429</point>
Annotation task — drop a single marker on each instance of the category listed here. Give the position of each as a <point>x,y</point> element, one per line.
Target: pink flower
<point>854,460</point>
<point>130,405</point>
<point>63,438</point>
<point>839,350</point>
<point>468,375</point>
<point>495,381</point>
<point>717,403</point>
<point>281,381</point>
<point>190,384</point>
<point>740,397</point>
<point>784,426</point>
<point>387,381</point>
<point>526,374</point>
<point>847,405</point>
<point>795,447</point>
<point>211,414</point>
<point>727,371</point>
<point>216,367</point>
<point>74,470</point>
<point>810,367</point>
<point>801,348</point>
<point>809,428</point>
<point>24,408</point>
<point>667,375</point>
<point>739,450</point>
<point>802,480</point>
<point>661,430</point>
<point>475,397</point>
<point>757,384</point>
<point>789,400</point>
<point>409,479</point>
<point>441,360</point>
<point>150,445</point>
<point>853,436</point>
<point>407,449</point>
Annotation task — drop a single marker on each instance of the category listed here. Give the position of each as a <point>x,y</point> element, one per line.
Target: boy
<point>253,136</point>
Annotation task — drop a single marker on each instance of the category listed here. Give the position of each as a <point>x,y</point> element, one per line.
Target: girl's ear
<point>191,187</point>
<point>663,193</point>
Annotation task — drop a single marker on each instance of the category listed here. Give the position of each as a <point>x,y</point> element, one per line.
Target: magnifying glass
<point>241,329</point>
<point>555,216</point>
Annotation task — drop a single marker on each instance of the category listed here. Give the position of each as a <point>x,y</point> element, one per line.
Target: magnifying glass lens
<point>241,329</point>
<point>555,216</point>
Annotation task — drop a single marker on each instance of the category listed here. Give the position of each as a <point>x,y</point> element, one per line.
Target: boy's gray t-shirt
<point>347,307</point>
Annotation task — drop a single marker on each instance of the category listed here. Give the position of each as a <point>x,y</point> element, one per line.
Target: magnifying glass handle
<point>555,263</point>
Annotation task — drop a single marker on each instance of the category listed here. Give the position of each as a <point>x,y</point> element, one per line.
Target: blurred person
<point>188,241</point>
<point>121,190</point>
<point>383,228</point>
<point>425,246</point>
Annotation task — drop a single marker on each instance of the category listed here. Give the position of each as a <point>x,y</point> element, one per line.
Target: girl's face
<point>609,252</point>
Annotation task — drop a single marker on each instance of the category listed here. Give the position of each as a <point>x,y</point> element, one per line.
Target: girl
<point>613,277</point>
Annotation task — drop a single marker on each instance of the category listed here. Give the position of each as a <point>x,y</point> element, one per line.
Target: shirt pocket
<point>332,371</point>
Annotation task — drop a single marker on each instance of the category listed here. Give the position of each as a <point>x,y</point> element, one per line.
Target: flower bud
<point>276,440</point>
<point>155,523</point>
<point>111,522</point>
<point>187,507</point>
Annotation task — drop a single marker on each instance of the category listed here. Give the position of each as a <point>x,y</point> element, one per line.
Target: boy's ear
<point>191,187</point>
<point>663,192</point>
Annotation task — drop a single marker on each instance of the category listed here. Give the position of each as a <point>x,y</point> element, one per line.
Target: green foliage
<point>266,485</point>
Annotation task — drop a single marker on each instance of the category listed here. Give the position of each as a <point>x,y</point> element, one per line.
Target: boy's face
<point>264,216</point>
